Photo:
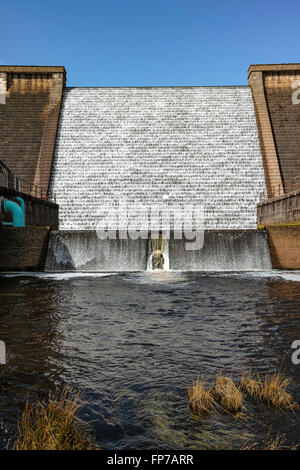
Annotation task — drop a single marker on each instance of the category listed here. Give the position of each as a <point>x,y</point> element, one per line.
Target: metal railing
<point>9,181</point>
<point>292,184</point>
<point>289,186</point>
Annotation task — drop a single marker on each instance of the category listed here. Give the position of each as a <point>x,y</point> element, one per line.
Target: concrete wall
<point>38,212</point>
<point>280,210</point>
<point>284,242</point>
<point>41,214</point>
<point>23,249</point>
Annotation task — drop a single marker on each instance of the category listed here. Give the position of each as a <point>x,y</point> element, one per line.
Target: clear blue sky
<point>152,42</point>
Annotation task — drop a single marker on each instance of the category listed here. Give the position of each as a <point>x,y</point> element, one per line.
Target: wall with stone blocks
<point>278,119</point>
<point>285,119</point>
<point>29,113</point>
<point>23,249</point>
<point>162,146</point>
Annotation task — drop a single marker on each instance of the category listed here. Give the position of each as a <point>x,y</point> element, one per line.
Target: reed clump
<point>229,395</point>
<point>53,425</point>
<point>252,386</point>
<point>271,390</point>
<point>201,400</point>
<point>274,392</point>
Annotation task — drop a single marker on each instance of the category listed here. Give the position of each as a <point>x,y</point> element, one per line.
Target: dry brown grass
<point>53,425</point>
<point>276,443</point>
<point>275,394</point>
<point>231,398</point>
<point>201,400</point>
<point>251,386</point>
<point>272,390</point>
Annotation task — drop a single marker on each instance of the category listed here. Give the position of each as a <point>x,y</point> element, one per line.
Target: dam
<point>207,160</point>
<point>160,244</point>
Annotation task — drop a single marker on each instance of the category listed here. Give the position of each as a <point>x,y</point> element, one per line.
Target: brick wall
<point>28,120</point>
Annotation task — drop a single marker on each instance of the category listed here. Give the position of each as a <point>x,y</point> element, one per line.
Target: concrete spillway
<point>161,147</point>
<point>222,251</point>
<point>192,144</point>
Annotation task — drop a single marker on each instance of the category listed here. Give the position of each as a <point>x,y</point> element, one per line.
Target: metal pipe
<point>17,212</point>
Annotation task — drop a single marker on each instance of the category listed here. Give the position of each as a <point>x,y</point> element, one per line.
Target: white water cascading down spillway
<point>165,147</point>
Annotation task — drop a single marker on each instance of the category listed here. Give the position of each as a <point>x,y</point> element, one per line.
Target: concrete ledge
<point>280,210</point>
<point>273,68</point>
<point>32,69</point>
<point>279,198</point>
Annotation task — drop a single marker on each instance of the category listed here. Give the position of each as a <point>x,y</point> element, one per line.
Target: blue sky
<point>153,42</point>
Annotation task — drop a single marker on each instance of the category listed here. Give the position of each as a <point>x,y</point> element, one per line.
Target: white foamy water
<point>170,277</point>
<point>56,276</point>
<point>157,276</point>
<point>111,143</point>
<point>287,275</point>
<point>85,252</point>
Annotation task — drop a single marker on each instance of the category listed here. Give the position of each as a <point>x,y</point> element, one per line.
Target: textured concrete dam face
<point>162,146</point>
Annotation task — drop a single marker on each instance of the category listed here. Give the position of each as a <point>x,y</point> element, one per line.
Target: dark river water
<point>133,343</point>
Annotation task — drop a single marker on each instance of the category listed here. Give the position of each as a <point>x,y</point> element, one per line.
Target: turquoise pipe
<point>17,211</point>
<point>22,204</point>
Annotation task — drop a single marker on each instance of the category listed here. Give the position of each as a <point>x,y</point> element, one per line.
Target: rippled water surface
<point>135,342</point>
